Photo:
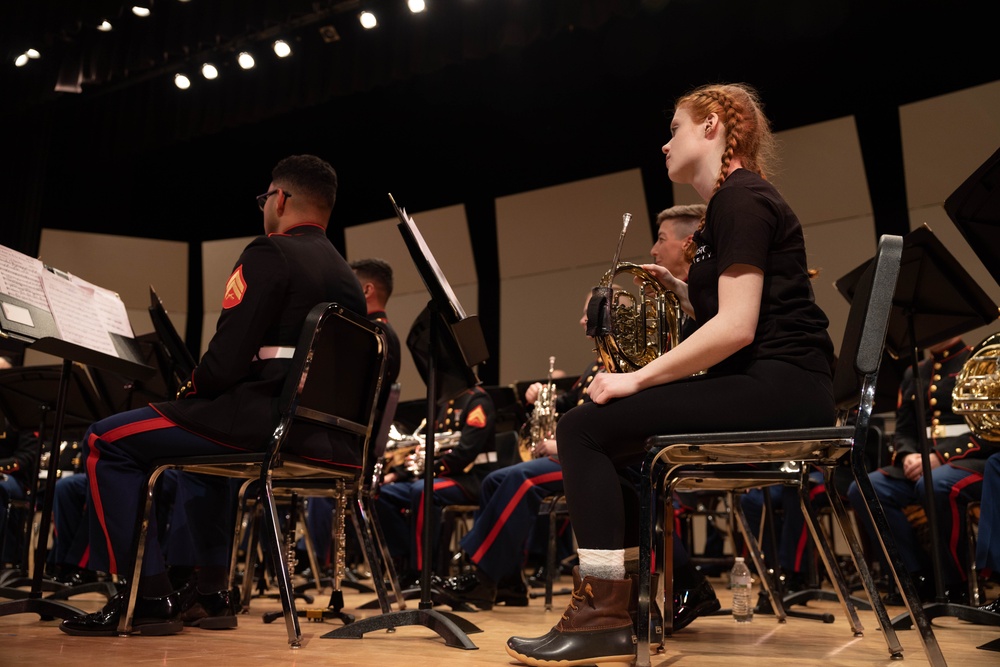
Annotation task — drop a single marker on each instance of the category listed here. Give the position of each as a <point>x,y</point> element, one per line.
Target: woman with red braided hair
<point>760,335</point>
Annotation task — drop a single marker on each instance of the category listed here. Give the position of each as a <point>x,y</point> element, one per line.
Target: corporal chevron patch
<point>236,287</point>
<point>477,417</point>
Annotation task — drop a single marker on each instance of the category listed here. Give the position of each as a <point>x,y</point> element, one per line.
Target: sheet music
<point>20,277</point>
<point>76,314</point>
<point>109,306</point>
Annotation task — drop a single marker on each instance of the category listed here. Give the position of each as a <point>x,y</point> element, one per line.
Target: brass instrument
<point>408,450</point>
<point>976,395</point>
<point>631,329</point>
<point>542,423</point>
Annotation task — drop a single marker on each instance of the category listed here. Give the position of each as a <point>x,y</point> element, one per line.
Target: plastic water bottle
<point>742,584</point>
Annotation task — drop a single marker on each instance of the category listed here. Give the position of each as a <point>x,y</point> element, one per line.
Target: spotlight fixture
<point>33,54</point>
<point>21,60</point>
<point>142,11</point>
<point>282,49</point>
<point>209,71</point>
<point>416,6</point>
<point>104,26</point>
<point>181,81</point>
<point>329,34</point>
<point>368,20</point>
<point>245,60</point>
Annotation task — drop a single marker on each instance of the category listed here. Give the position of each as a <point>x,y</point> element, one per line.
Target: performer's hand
<point>389,478</point>
<point>606,386</point>
<point>913,466</point>
<point>531,393</point>
<point>546,447</point>
<point>662,275</point>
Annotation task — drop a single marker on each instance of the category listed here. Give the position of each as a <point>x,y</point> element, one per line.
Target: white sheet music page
<point>110,307</point>
<point>76,314</point>
<point>20,277</point>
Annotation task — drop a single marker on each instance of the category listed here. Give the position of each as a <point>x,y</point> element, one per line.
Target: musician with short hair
<point>458,475</point>
<point>229,404</point>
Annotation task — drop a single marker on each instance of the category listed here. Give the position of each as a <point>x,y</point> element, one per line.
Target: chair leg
<point>139,550</point>
<point>971,533</point>
<point>386,560</point>
<point>273,536</point>
<point>740,519</point>
<point>550,554</point>
<point>822,543</point>
<point>244,528</point>
<point>363,529</point>
<point>861,564</point>
<point>891,552</point>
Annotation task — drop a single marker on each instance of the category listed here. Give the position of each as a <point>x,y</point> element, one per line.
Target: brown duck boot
<point>655,615</point>
<point>596,628</point>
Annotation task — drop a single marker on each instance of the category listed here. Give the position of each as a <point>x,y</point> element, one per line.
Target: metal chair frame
<point>695,459</point>
<point>337,373</point>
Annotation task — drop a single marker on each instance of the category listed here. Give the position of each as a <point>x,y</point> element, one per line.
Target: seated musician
<point>458,475</point>
<point>957,461</point>
<point>229,404</point>
<point>988,542</point>
<point>512,495</point>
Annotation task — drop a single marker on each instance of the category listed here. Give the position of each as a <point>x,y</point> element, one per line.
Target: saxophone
<point>631,330</point>
<point>542,423</point>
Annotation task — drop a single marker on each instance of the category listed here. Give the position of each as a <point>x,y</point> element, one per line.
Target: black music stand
<point>129,365</point>
<point>454,343</point>
<point>182,362</point>
<point>935,300</point>
<point>27,398</point>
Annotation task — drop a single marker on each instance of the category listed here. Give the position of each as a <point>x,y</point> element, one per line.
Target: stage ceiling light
<point>182,81</point>
<point>368,20</point>
<point>245,60</point>
<point>21,60</point>
<point>104,26</point>
<point>416,6</point>
<point>142,11</point>
<point>209,71</point>
<point>282,49</point>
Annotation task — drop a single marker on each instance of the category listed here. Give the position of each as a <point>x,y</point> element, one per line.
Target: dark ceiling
<point>471,100</point>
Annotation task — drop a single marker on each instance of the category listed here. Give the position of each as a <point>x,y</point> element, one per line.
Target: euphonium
<point>976,395</point>
<point>631,329</point>
<point>542,422</point>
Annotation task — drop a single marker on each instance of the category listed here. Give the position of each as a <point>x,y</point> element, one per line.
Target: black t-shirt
<point>748,222</point>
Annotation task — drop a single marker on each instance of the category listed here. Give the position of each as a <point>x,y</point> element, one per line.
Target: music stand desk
<point>128,366</point>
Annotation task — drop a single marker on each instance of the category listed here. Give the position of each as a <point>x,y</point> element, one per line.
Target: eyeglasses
<point>262,199</point>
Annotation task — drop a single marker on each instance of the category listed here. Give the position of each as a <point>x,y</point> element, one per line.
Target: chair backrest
<point>336,375</point>
<point>867,323</point>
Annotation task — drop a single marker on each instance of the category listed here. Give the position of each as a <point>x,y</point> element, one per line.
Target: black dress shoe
<point>474,588</point>
<point>538,577</point>
<point>992,607</point>
<point>691,603</point>
<point>152,616</point>
<point>512,590</point>
<point>210,611</point>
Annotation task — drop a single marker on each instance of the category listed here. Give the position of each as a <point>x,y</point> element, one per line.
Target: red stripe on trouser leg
<point>94,457</point>
<point>438,484</point>
<point>509,508</point>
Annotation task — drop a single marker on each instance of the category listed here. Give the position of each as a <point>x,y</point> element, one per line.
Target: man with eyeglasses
<point>230,402</point>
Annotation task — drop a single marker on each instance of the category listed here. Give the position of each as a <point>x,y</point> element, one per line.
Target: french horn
<point>632,324</point>
<point>976,395</point>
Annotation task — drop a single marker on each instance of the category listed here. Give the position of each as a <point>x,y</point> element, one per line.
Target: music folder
<point>58,313</point>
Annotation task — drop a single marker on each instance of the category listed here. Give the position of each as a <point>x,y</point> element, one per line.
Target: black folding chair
<point>692,461</point>
<point>336,376</point>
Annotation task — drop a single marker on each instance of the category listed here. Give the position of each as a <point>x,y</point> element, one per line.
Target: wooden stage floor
<point>708,642</point>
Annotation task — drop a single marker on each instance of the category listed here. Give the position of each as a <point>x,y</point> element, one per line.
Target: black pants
<point>595,441</point>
